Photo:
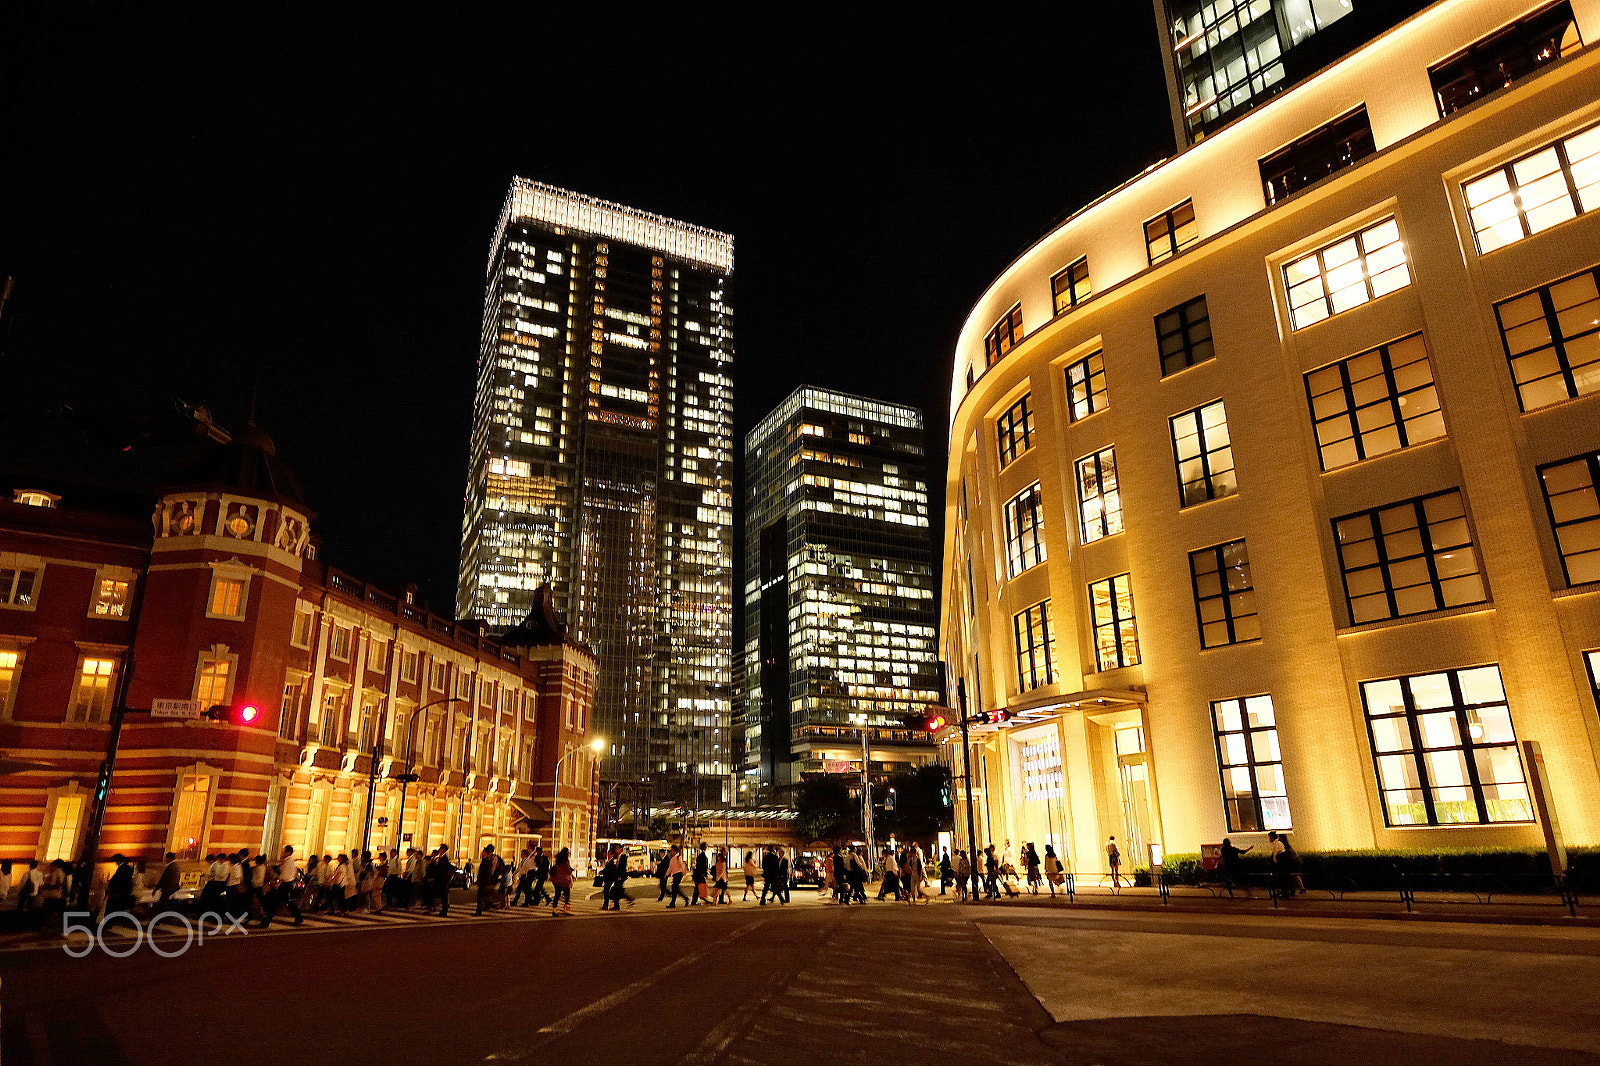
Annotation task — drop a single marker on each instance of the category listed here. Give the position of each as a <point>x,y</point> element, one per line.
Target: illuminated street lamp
<point>406,778</point>
<point>596,745</point>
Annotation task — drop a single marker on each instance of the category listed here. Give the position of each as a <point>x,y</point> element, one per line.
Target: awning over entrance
<point>529,812</point>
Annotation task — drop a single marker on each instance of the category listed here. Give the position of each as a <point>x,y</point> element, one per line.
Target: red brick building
<point>211,591</point>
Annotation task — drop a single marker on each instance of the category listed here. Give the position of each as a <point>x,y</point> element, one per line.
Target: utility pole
<point>966,769</point>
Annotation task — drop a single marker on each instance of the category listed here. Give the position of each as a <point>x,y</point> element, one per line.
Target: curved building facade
<point>1271,500</point>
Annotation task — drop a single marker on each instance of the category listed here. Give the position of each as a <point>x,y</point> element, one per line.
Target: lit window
<point>1025,530</point>
<point>1346,274</point>
<point>35,498</point>
<point>1445,749</point>
<point>1116,639</point>
<point>1183,336</point>
<point>300,636</point>
<point>1570,495</point>
<point>340,645</point>
<point>10,669</point>
<point>289,713</point>
<point>1552,339</point>
<point>1374,403</point>
<point>1251,764</point>
<point>1035,647</point>
<point>1224,595</point>
<point>61,832</point>
<point>1204,454</point>
<point>227,597</point>
<point>1014,430</point>
<point>1170,232</point>
<point>408,666</point>
<point>17,587</point>
<point>377,656</point>
<point>1533,193</point>
<point>1006,335</point>
<point>189,809</point>
<point>1071,287</point>
<point>92,701</point>
<point>1503,57</point>
<point>1086,386</point>
<point>111,598</point>
<point>1408,558</point>
<point>1099,501</point>
<point>213,682</point>
<point>1319,154</point>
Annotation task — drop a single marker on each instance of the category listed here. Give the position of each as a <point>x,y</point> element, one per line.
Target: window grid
<point>1025,547</point>
<point>92,701</point>
<point>1006,335</point>
<point>1035,647</point>
<point>227,597</point>
<point>1251,764</point>
<point>1086,386</point>
<point>1408,558</point>
<point>1503,57</point>
<point>1170,232</point>
<point>1319,154</point>
<point>1224,595</point>
<point>1552,340</point>
<point>1535,192</point>
<point>211,688</point>
<point>17,585</point>
<point>289,713</point>
<point>1099,500</point>
<point>1374,403</point>
<point>111,598</point>
<point>1444,749</point>
<point>1070,287</point>
<point>1014,429</point>
<point>1572,500</point>
<point>1116,639</point>
<point>1183,336</point>
<point>1347,273</point>
<point>1203,452</point>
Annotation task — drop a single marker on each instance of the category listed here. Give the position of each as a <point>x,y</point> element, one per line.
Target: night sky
<point>304,203</point>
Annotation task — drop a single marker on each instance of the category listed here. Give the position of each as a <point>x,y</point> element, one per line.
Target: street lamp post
<point>594,745</point>
<point>408,777</point>
<point>966,765</point>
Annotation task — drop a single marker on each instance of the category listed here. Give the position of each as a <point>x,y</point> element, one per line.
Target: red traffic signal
<point>237,714</point>
<point>935,722</point>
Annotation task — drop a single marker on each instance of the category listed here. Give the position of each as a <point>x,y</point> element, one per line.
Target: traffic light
<point>994,717</point>
<point>935,722</point>
<point>234,714</point>
<point>944,795</point>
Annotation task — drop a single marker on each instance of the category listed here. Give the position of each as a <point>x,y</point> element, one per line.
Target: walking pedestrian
<point>541,874</point>
<point>486,879</point>
<point>119,889</point>
<point>524,875</point>
<point>1114,860</point>
<point>838,871</point>
<point>676,869</point>
<point>947,873</point>
<point>719,877</point>
<point>991,873</point>
<point>169,882</point>
<point>1285,864</point>
<point>441,871</point>
<point>751,870</point>
<point>28,890</point>
<point>701,869</point>
<point>561,877</point>
<point>785,876</point>
<point>1052,868</point>
<point>769,874</point>
<point>912,875</point>
<point>1230,864</point>
<point>963,871</point>
<point>1030,856</point>
<point>891,876</point>
<point>663,864</point>
<point>284,892</point>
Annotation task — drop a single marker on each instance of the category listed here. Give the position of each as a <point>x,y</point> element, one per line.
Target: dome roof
<point>247,465</point>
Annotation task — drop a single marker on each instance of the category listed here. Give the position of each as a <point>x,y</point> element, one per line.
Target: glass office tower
<point>601,439</point>
<point>840,620</point>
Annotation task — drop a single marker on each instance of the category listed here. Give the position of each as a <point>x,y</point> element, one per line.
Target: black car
<point>805,872</point>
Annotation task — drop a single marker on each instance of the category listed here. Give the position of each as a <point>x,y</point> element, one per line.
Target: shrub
<point>1378,869</point>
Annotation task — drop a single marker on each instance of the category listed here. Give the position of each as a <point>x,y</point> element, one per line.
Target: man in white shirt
<point>524,879</point>
<point>288,873</point>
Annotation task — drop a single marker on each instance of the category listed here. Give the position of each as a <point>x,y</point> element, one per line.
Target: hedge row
<point>1379,869</point>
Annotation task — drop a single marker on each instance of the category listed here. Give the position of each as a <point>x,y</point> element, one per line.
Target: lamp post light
<point>596,745</point>
<point>406,778</point>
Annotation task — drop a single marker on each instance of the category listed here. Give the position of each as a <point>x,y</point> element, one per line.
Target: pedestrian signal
<point>236,714</point>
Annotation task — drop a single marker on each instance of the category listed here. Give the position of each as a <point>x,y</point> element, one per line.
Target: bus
<point>642,854</point>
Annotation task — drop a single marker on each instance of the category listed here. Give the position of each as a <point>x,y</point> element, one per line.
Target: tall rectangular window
<point>1572,499</point>
<point>1025,530</point>
<point>1071,287</point>
<point>1224,595</point>
<point>189,829</point>
<point>1445,749</point>
<point>1006,335</point>
<point>1531,194</point>
<point>1319,154</point>
<point>1099,500</point>
<point>16,586</point>
<point>1409,558</point>
<point>110,598</point>
<point>1014,429</point>
<point>213,682</point>
<point>300,635</point>
<point>289,713</point>
<point>377,656</point>
<point>10,669</point>
<point>61,835</point>
<point>1346,274</point>
<point>1086,386</point>
<point>1204,454</point>
<point>1183,336</point>
<point>1116,639</point>
<point>1503,57</point>
<point>1170,232</point>
<point>1552,340</point>
<point>332,731</point>
<point>339,646</point>
<point>1251,764</point>
<point>1374,403</point>
<point>408,666</point>
<point>227,597</point>
<point>96,680</point>
<point>1035,647</point>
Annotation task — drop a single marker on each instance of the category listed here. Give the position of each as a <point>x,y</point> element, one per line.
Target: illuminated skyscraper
<point>599,463</point>
<point>839,609</point>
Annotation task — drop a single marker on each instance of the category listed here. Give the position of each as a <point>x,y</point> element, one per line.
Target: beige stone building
<point>1272,489</point>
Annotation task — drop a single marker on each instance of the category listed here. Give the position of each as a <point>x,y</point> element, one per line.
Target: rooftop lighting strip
<point>537,202</point>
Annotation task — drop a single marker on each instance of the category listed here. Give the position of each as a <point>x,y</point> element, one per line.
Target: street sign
<point>175,708</point>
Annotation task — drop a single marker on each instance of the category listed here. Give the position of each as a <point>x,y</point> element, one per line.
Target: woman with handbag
<point>1052,869</point>
<point>1030,857</point>
<point>561,878</point>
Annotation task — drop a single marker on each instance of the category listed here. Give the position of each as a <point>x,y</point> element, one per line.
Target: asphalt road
<point>800,984</point>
